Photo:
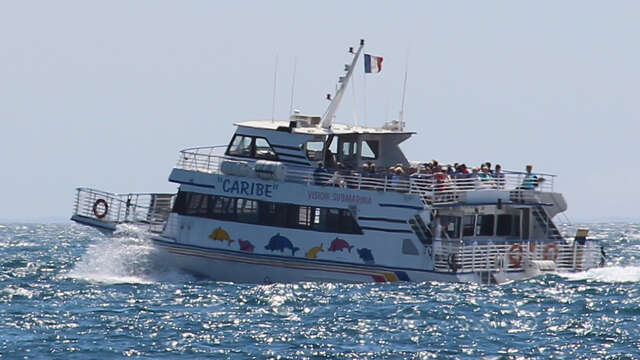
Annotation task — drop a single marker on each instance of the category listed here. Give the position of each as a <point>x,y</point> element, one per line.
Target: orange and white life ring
<point>100,214</point>
<point>515,255</point>
<point>550,252</point>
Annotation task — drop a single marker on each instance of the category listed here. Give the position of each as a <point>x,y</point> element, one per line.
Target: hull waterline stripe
<point>315,262</point>
<point>389,276</point>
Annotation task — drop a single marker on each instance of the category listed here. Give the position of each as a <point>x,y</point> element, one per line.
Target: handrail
<point>457,256</point>
<point>432,189</point>
<point>141,208</point>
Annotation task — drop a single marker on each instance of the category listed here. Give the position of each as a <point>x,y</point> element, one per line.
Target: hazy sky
<point>106,94</point>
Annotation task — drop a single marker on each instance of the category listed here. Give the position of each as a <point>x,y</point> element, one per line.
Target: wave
<point>125,258</point>
<point>611,274</point>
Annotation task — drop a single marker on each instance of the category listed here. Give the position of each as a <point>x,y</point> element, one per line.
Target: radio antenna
<point>404,92</point>
<point>293,84</point>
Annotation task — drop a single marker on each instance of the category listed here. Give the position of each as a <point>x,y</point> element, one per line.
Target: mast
<point>344,81</point>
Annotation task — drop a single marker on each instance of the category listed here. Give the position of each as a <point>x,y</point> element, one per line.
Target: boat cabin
<point>302,142</point>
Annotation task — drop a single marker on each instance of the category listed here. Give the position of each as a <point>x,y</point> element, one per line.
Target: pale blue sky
<point>106,94</point>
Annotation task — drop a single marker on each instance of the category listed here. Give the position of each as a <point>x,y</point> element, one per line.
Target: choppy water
<point>68,292</point>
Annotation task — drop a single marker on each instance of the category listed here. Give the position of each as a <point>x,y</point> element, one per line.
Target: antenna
<point>404,92</point>
<point>293,84</point>
<point>273,104</point>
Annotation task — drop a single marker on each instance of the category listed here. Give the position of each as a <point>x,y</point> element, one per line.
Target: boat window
<point>468,225</point>
<point>508,225</point>
<point>264,150</point>
<point>266,213</point>
<point>484,225</point>
<point>240,146</point>
<point>247,210</point>
<point>450,226</point>
<point>314,150</point>
<point>349,149</point>
<point>252,147</point>
<point>370,149</point>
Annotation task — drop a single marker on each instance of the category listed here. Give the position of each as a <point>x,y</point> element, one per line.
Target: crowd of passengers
<point>431,175</point>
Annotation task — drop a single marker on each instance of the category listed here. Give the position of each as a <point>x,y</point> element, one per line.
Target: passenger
<point>329,159</point>
<point>398,179</point>
<point>499,177</point>
<point>338,178</point>
<point>488,165</point>
<point>475,181</point>
<point>320,175</point>
<point>530,181</point>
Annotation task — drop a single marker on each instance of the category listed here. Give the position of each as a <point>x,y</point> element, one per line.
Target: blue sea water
<point>67,291</point>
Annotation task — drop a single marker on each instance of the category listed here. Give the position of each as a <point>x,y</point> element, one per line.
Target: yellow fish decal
<point>220,235</point>
<point>313,253</point>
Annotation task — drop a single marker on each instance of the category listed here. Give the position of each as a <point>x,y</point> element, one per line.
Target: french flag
<point>372,64</point>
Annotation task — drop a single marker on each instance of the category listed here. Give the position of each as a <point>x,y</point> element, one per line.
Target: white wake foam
<point>611,274</point>
<point>125,258</point>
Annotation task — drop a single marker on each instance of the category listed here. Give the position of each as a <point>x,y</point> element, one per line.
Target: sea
<point>69,292</point>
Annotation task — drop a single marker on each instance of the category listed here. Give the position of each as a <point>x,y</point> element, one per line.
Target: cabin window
<point>508,225</point>
<point>266,213</point>
<point>349,149</point>
<point>468,225</point>
<point>247,210</point>
<point>240,146</point>
<point>370,149</point>
<point>314,150</point>
<point>450,226</point>
<point>484,225</point>
<point>252,147</point>
<point>264,150</point>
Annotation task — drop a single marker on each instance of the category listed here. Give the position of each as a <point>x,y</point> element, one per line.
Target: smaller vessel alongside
<point>302,200</point>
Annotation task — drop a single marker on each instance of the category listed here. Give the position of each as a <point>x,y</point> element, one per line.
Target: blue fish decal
<point>366,256</point>
<point>279,242</point>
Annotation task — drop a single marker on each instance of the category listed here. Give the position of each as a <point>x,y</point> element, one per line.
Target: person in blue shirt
<point>530,181</point>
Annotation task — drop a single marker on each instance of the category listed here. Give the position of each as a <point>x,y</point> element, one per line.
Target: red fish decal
<point>246,245</point>
<point>339,244</point>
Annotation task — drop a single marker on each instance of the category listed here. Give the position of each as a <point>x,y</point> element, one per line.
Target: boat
<point>309,199</point>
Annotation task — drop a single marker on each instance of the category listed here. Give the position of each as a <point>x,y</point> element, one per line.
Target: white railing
<point>455,255</point>
<point>138,208</point>
<point>432,189</point>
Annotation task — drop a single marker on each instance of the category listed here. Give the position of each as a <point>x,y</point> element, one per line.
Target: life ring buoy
<point>548,250</point>
<point>515,260</point>
<point>96,212</point>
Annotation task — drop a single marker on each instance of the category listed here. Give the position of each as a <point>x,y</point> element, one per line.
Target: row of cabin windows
<point>251,147</point>
<point>266,213</point>
<point>481,225</point>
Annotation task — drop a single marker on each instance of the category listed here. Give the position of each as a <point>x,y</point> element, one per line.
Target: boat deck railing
<point>149,209</point>
<point>433,190</point>
<point>455,256</point>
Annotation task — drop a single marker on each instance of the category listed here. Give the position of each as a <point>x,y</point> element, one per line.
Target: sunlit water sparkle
<point>68,291</point>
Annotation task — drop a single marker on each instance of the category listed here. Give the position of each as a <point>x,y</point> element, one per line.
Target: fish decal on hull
<point>339,244</point>
<point>246,245</point>
<point>366,256</point>
<point>313,253</point>
<point>220,235</point>
<point>279,242</point>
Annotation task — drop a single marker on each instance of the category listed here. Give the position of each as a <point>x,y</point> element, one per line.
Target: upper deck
<point>433,190</point>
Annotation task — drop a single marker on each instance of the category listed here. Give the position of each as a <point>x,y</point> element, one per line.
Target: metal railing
<point>149,209</point>
<point>432,189</point>
<point>456,256</point>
